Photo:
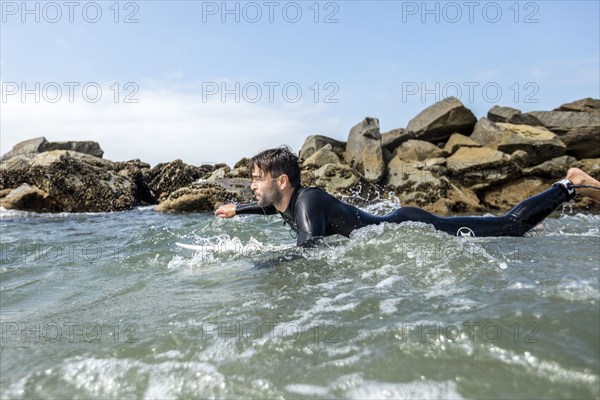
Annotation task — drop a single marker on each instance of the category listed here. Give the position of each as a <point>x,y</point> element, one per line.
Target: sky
<point>215,81</point>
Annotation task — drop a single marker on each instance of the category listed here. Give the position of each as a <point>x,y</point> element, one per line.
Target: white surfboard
<point>190,246</point>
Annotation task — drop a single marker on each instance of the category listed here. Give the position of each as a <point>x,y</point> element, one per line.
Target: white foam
<point>411,390</point>
<point>387,282</point>
<point>307,390</point>
<point>550,370</point>
<point>389,306</point>
<point>107,377</point>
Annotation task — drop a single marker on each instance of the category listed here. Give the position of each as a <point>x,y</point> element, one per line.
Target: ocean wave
<point>422,389</point>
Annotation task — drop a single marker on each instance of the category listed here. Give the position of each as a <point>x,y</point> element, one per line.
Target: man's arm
<point>230,210</point>
<point>311,219</point>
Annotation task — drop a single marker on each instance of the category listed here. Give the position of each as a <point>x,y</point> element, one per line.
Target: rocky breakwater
<point>37,175</point>
<point>445,160</point>
<point>41,176</point>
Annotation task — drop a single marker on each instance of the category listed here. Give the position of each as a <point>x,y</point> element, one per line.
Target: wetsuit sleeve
<point>254,209</point>
<point>310,219</point>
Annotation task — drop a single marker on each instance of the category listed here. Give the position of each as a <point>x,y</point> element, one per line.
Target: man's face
<point>265,188</point>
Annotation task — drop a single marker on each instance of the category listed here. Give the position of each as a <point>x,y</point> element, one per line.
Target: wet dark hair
<point>276,162</point>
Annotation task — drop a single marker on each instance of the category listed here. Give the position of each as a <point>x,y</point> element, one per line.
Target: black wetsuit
<point>313,213</point>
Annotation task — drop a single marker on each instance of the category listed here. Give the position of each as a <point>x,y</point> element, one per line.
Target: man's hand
<point>226,211</point>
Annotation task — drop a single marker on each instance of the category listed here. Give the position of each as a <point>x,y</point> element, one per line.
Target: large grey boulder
<point>502,114</point>
<point>457,141</point>
<point>511,115</point>
<point>394,138</point>
<point>135,171</point>
<point>479,168</point>
<point>325,155</point>
<point>442,119</point>
<point>340,180</point>
<point>27,198</point>
<point>584,105</point>
<point>418,186</point>
<point>580,131</point>
<point>315,142</point>
<point>363,150</point>
<point>555,168</point>
<point>64,181</point>
<point>85,147</point>
<point>405,174</point>
<point>29,148</point>
<point>415,150</point>
<point>166,178</point>
<point>539,143</point>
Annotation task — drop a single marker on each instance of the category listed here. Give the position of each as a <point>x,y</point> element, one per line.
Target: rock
<point>512,116</point>
<point>466,157</point>
<point>71,184</point>
<point>456,200</point>
<point>556,168</point>
<point>510,194</point>
<point>31,147</point>
<point>49,157</point>
<point>394,138</point>
<point>456,141</point>
<point>315,142</point>
<point>218,173</point>
<point>525,119</point>
<point>479,168</point>
<point>240,172</point>
<point>17,162</point>
<point>363,150</point>
<point>439,153</point>
<point>415,150</point>
<point>439,121</point>
<point>580,131</point>
<point>324,155</point>
<point>164,179</point>
<point>135,171</point>
<point>85,147</point>
<point>591,166</point>
<point>520,157</point>
<point>28,198</point>
<point>434,161</point>
<point>584,105</point>
<point>502,114</point>
<point>240,169</point>
<point>131,165</point>
<point>206,196</point>
<point>387,155</point>
<point>243,163</point>
<point>403,174</point>
<point>341,180</point>
<point>538,142</point>
<point>417,186</point>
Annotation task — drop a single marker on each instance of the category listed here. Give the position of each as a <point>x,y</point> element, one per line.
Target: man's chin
<point>261,202</point>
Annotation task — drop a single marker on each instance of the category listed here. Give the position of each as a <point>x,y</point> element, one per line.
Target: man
<point>313,213</point>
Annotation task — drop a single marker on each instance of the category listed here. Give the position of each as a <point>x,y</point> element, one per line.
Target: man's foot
<point>578,177</point>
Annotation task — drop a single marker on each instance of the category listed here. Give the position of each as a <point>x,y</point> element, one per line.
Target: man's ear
<point>283,179</point>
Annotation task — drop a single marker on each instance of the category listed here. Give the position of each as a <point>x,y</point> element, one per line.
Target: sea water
<point>105,305</point>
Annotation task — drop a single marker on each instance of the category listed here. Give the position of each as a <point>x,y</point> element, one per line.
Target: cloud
<point>165,124</point>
